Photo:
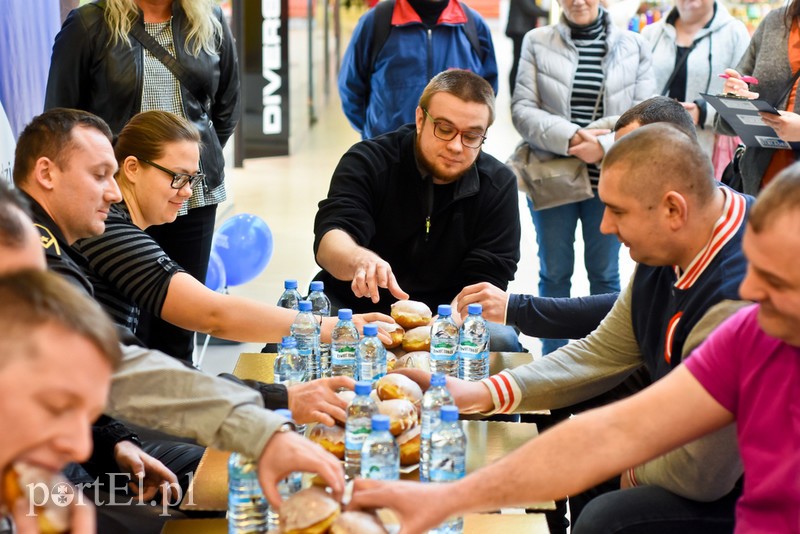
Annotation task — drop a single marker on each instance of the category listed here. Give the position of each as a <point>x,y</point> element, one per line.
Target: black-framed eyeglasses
<point>179,179</point>
<point>447,132</point>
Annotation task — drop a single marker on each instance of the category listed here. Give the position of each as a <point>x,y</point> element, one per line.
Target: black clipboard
<point>742,115</point>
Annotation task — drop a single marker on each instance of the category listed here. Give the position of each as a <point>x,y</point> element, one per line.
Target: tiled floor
<point>284,191</point>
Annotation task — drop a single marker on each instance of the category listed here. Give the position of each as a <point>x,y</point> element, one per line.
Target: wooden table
<point>259,366</point>
<point>473,524</point>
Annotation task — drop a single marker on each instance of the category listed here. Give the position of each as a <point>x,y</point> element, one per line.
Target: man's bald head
<point>661,157</point>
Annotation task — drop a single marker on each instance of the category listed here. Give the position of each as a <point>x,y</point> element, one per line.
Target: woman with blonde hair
<point>116,58</point>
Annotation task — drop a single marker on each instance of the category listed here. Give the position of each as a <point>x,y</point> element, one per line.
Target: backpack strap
<point>382,26</point>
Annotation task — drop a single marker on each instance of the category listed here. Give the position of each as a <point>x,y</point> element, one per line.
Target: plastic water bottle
<point>320,303</point>
<point>448,459</point>
<point>247,507</point>
<point>290,297</point>
<point>371,355</point>
<point>357,428</point>
<point>473,346</point>
<point>432,402</point>
<point>290,367</point>
<point>380,456</point>
<point>444,343</point>
<point>286,487</point>
<point>305,330</point>
<point>344,344</point>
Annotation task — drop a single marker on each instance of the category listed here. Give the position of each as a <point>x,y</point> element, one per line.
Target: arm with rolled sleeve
<point>705,469</point>
<point>576,372</point>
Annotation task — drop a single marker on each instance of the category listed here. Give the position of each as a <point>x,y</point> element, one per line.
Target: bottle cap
<point>474,309</point>
<point>438,380</point>
<point>283,412</point>
<point>288,342</point>
<point>345,314</point>
<point>290,284</point>
<point>445,310</point>
<point>370,329</point>
<point>304,306</point>
<point>363,387</point>
<point>380,422</point>
<point>317,285</point>
<point>449,413</point>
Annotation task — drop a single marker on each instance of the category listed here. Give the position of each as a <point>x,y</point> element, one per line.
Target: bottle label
<point>380,472</point>
<point>447,469</point>
<point>443,350</point>
<point>369,373</point>
<point>343,355</point>
<point>357,431</point>
<point>471,351</point>
<point>430,420</point>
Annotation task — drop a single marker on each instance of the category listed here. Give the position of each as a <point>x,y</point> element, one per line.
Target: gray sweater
<point>767,58</point>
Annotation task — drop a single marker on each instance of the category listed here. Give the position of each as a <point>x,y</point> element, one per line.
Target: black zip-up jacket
<point>379,197</point>
<point>88,73</point>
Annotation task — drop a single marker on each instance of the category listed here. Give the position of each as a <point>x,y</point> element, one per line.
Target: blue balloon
<point>215,276</point>
<point>244,243</point>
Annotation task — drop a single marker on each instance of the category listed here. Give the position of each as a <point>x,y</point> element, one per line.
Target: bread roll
<point>396,332</point>
<point>309,511</point>
<point>391,360</point>
<point>330,437</point>
<point>411,313</point>
<point>397,386</point>
<point>416,339</point>
<point>409,442</point>
<point>50,517</point>
<point>415,360</point>
<point>402,415</point>
<point>357,523</point>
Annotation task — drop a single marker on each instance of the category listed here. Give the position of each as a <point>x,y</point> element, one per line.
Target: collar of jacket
<point>404,14</point>
<point>469,184</point>
<point>612,32</point>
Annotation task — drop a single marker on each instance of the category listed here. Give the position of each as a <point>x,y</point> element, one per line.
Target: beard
<point>438,174</point>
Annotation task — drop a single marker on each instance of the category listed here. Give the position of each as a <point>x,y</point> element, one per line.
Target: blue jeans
<point>555,235</point>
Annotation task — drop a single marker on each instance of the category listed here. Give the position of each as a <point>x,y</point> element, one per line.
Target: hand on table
<point>411,501</point>
<point>786,125</point>
<point>286,452</point>
<point>470,397</point>
<point>735,85</point>
<point>148,475</point>
<point>585,146</point>
<point>372,273</point>
<point>317,401</point>
<point>493,300</point>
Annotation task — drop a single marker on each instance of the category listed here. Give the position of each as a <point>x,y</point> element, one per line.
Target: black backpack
<point>382,25</point>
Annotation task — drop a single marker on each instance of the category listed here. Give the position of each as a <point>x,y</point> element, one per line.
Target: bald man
<point>685,232</point>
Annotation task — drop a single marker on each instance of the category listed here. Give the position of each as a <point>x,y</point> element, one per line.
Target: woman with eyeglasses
<point>158,155</point>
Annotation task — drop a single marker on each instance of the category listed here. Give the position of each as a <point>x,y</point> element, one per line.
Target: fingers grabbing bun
<point>416,339</point>
<point>51,518</point>
<point>331,438</point>
<point>395,331</point>
<point>309,511</point>
<point>411,313</point>
<point>357,523</point>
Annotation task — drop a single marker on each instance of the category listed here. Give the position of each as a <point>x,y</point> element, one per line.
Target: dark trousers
<point>512,77</point>
<point>188,242</point>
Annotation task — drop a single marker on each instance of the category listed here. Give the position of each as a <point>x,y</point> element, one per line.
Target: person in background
<point>380,88</point>
<point>746,372</point>
<point>100,64</point>
<point>691,46</point>
<point>773,58</point>
<point>523,16</point>
<point>422,212</point>
<point>575,78</point>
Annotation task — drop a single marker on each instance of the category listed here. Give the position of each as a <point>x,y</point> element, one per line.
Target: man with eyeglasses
<point>422,212</point>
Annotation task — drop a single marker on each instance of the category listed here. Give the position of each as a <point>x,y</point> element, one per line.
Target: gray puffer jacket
<point>767,59</point>
<point>540,108</point>
<point>718,47</point>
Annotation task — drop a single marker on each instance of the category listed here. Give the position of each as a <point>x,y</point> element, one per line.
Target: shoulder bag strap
<point>175,67</point>
<point>788,88</point>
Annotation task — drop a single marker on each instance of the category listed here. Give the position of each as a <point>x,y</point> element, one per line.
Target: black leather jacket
<point>87,72</point>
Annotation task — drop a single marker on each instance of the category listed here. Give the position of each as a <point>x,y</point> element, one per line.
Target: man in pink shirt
<point>748,371</point>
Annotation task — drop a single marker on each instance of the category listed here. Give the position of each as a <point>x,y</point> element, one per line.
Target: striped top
<point>586,102</point>
<point>129,271</point>
<point>161,90</point>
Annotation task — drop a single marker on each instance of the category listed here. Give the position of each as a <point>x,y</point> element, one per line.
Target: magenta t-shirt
<point>757,378</point>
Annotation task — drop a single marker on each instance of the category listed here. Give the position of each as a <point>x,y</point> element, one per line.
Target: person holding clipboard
<point>773,58</point>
